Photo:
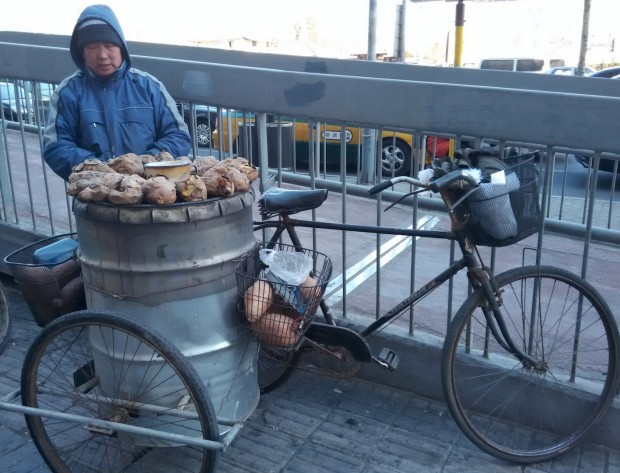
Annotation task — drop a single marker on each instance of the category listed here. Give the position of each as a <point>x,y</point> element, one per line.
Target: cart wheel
<point>5,321</point>
<point>103,366</point>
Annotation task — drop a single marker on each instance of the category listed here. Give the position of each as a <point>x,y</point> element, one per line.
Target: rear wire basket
<point>500,215</point>
<point>278,314</point>
<point>51,290</point>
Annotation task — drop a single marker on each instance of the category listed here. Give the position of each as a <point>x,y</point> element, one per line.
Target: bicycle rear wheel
<point>102,366</point>
<point>275,366</point>
<point>517,412</point>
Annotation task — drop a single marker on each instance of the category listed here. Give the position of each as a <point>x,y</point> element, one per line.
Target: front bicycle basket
<point>274,312</point>
<point>501,215</point>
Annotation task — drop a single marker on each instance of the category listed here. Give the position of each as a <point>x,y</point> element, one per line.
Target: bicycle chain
<point>330,355</point>
<point>342,368</point>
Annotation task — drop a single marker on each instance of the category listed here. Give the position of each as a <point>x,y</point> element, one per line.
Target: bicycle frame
<point>476,274</point>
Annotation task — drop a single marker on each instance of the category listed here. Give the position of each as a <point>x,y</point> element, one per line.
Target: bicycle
<point>530,360</point>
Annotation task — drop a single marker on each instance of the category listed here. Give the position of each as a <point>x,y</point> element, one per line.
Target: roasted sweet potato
<point>82,180</point>
<point>148,158</point>
<point>129,191</point>
<point>204,163</point>
<point>218,185</point>
<point>92,165</point>
<point>128,164</point>
<point>240,180</point>
<point>276,329</point>
<point>309,288</point>
<point>159,190</point>
<point>191,189</point>
<point>164,156</point>
<point>94,193</point>
<point>78,176</point>
<point>246,168</point>
<point>257,299</point>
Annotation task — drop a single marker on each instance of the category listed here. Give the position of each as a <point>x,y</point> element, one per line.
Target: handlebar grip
<point>380,187</point>
<point>454,176</point>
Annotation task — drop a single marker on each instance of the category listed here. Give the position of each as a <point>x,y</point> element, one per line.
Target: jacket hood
<point>103,13</point>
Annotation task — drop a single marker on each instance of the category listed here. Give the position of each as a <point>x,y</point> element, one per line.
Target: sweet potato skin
<point>257,299</point>
<point>159,190</point>
<point>276,329</point>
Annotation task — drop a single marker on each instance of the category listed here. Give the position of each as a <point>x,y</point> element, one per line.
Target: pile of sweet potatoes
<point>123,180</point>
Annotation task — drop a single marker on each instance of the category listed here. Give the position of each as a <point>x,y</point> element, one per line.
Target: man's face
<point>103,59</point>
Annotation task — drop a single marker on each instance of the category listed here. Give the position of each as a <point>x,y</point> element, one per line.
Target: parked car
<point>10,109</point>
<point>206,119</point>
<point>605,165</point>
<point>568,71</point>
<point>607,73</point>
<point>41,95</point>
<point>520,64</point>
<point>396,146</point>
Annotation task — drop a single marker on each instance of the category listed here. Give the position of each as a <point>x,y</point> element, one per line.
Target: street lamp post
<point>399,40</point>
<point>585,26</point>
<point>367,165</point>
<point>459,24</point>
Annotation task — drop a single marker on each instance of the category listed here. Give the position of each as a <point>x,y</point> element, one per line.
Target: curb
<point>419,371</point>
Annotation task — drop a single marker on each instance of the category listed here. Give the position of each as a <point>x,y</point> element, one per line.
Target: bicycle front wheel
<point>98,365</point>
<point>522,412</point>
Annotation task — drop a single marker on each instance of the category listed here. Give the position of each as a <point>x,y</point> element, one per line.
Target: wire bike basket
<point>503,214</point>
<point>48,273</point>
<point>277,313</point>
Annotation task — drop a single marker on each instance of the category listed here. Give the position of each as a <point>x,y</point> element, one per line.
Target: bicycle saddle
<point>277,200</point>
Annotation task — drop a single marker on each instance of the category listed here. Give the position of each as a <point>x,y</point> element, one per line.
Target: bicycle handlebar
<point>436,186</point>
<point>451,178</point>
<point>380,187</point>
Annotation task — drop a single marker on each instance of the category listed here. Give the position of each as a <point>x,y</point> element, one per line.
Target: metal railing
<point>310,113</point>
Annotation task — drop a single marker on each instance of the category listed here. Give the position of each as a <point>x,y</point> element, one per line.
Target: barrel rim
<point>170,213</point>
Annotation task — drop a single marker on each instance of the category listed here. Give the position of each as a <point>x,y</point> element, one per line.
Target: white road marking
<point>366,268</point>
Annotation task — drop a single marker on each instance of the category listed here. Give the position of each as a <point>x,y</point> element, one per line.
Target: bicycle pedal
<point>389,358</point>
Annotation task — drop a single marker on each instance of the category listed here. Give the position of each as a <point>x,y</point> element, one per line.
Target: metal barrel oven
<point>172,268</point>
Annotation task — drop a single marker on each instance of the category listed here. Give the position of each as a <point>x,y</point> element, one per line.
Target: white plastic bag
<point>292,267</point>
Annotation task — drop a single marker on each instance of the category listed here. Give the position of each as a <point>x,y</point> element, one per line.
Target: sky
<point>339,28</point>
<point>183,18</point>
<point>337,22</point>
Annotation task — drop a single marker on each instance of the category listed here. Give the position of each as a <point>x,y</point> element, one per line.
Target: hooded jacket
<point>129,112</point>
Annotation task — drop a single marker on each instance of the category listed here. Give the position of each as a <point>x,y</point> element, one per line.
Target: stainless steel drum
<point>171,268</point>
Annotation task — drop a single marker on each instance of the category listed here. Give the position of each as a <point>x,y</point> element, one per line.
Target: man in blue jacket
<point>107,108</point>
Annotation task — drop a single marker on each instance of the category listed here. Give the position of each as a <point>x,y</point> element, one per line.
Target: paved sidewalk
<point>314,424</point>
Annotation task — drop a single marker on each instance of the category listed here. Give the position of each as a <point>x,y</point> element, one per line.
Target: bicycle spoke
<point>498,400</point>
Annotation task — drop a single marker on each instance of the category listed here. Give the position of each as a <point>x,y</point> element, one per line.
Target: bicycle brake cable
<point>417,191</point>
